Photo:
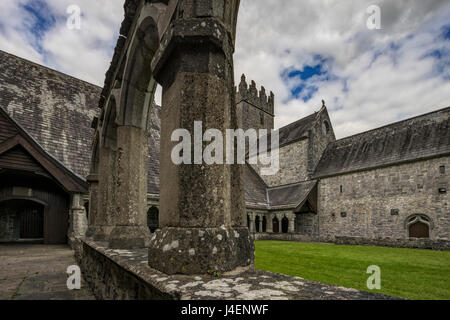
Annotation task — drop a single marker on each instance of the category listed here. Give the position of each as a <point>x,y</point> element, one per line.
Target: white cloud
<point>274,36</point>
<point>277,35</point>
<point>84,53</point>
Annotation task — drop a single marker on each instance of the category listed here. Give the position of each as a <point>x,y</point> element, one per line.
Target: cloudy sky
<point>302,50</point>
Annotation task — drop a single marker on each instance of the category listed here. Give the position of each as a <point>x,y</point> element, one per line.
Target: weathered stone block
<point>200,251</point>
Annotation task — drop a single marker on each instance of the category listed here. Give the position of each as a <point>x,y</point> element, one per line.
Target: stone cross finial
<point>323,104</point>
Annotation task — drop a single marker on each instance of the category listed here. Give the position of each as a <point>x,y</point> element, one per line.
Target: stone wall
<point>319,138</point>
<point>379,203</point>
<point>282,237</point>
<point>255,110</point>
<point>9,226</point>
<point>252,117</point>
<point>398,243</point>
<point>126,275</point>
<point>293,165</point>
<point>111,281</point>
<point>307,224</point>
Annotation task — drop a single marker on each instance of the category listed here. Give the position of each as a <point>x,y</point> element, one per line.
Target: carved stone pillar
<point>291,228</point>
<point>269,223</point>
<point>260,224</point>
<point>130,215</point>
<point>202,218</point>
<point>252,223</point>
<point>100,222</point>
<point>78,220</point>
<point>92,179</point>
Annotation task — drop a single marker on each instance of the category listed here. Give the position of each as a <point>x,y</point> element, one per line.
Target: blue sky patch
<point>41,19</point>
<point>307,72</point>
<point>303,89</point>
<point>446,32</point>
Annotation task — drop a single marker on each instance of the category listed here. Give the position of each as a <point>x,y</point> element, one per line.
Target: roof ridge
<point>290,184</point>
<point>299,120</point>
<point>48,68</point>
<point>389,125</point>
<point>38,145</point>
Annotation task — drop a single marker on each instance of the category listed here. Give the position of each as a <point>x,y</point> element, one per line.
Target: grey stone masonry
<point>379,203</point>
<point>293,165</point>
<point>255,109</point>
<point>125,275</point>
<point>77,218</point>
<point>194,65</point>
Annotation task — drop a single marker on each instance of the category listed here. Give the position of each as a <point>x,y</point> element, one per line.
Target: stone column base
<point>99,233</point>
<point>129,237</point>
<point>200,250</point>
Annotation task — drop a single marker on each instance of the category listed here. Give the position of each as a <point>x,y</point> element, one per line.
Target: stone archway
<point>418,226</point>
<point>275,225</point>
<point>187,47</point>
<point>123,150</point>
<point>21,219</point>
<point>285,225</point>
<point>153,219</point>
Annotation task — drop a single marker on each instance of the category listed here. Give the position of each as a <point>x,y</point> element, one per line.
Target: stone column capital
<point>181,41</point>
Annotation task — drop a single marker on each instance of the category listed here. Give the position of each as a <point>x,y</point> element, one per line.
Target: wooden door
<point>419,230</point>
<point>31,220</point>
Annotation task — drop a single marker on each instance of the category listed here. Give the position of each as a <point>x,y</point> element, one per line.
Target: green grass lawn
<point>406,273</point>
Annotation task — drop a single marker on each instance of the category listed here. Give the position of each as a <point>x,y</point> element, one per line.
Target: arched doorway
<point>257,224</point>
<point>284,225</point>
<point>275,225</point>
<point>21,220</point>
<point>264,224</point>
<point>153,219</point>
<point>86,208</point>
<point>419,230</point>
<point>418,226</point>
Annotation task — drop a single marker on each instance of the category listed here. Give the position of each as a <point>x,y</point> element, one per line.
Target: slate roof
<point>290,195</point>
<point>291,133</point>
<point>20,145</point>
<point>255,189</point>
<point>296,130</point>
<point>417,138</point>
<point>259,196</point>
<point>56,110</point>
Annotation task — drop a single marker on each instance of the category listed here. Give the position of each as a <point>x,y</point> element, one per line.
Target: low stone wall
<point>282,237</point>
<point>443,245</point>
<point>413,243</point>
<point>112,281</point>
<point>125,275</point>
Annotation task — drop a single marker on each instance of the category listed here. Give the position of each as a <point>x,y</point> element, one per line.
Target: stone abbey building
<point>383,186</point>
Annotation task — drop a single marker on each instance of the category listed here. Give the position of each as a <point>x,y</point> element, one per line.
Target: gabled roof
<point>292,196</point>
<point>421,137</point>
<point>14,138</point>
<point>54,108</point>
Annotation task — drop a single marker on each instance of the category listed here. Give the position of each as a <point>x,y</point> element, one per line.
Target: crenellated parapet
<point>252,95</point>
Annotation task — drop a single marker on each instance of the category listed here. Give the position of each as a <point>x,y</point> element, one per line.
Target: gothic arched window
<point>153,219</point>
